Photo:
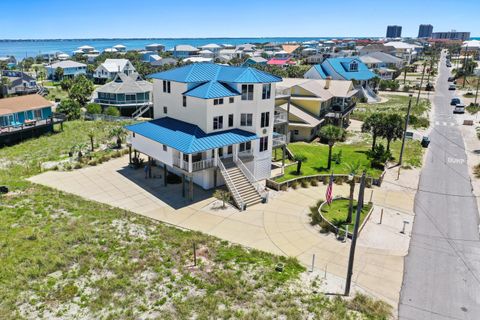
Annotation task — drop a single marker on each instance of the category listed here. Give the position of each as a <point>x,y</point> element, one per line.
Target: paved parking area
<point>281,226</point>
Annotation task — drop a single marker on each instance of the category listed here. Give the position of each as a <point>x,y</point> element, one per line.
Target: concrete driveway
<point>281,226</point>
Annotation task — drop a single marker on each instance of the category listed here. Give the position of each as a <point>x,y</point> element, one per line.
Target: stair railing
<point>233,189</point>
<point>251,178</point>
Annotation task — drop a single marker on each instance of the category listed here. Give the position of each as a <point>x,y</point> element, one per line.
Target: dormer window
<point>354,66</point>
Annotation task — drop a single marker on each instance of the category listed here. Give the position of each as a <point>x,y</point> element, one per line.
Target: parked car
<point>449,64</point>
<point>425,141</point>
<point>452,87</point>
<point>451,79</point>
<point>455,101</point>
<point>459,108</point>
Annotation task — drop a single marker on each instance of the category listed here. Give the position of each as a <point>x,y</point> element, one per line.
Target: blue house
<point>348,68</point>
<point>70,68</point>
<point>25,116</point>
<point>255,61</point>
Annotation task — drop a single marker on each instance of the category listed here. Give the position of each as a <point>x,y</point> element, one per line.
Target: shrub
<point>92,162</point>
<point>112,111</point>
<point>77,165</point>
<point>476,171</point>
<point>294,185</point>
<point>338,180</point>
<point>378,156</point>
<point>104,158</point>
<point>94,108</point>
<point>305,183</point>
<point>326,227</point>
<point>314,182</point>
<point>116,154</point>
<point>67,167</point>
<point>284,187</point>
<point>70,108</point>
<point>406,88</point>
<point>315,215</point>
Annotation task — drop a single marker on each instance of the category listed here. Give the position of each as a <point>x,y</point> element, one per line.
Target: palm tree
<point>222,195</point>
<point>374,124</point>
<point>332,134</point>
<point>393,128</point>
<point>299,158</point>
<point>119,133</point>
<point>353,169</point>
<point>91,135</point>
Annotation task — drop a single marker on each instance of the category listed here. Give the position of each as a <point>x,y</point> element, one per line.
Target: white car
<point>459,108</point>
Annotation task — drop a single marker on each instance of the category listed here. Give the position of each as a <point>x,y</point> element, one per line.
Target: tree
<point>94,108</point>
<point>392,128</point>
<point>353,169</point>
<point>81,90</point>
<point>378,156</point>
<point>374,124</point>
<point>58,74</point>
<point>222,195</point>
<point>299,158</point>
<point>332,134</point>
<point>112,111</point>
<point>66,84</point>
<point>91,136</point>
<point>119,133</point>
<point>70,108</point>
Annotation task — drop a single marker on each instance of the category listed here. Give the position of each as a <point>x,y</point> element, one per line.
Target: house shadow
<point>171,194</point>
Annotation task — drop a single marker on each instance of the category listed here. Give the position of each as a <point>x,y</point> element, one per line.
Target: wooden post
<point>215,172</point>
<point>164,175</point>
<point>194,255</point>
<point>149,167</point>
<point>381,216</point>
<point>183,185</point>
<point>129,154</point>
<point>191,188</point>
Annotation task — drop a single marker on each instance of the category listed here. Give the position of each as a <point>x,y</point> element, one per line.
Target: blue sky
<point>40,19</point>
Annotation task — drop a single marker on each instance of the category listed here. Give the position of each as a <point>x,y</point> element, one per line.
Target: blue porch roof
<point>186,137</point>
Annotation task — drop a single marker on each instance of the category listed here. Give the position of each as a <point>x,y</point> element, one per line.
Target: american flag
<point>328,193</point>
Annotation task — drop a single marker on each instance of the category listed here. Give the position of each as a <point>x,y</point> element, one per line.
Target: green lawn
<point>66,257</point>
<point>56,92</point>
<point>337,213</point>
<point>396,104</point>
<point>317,159</point>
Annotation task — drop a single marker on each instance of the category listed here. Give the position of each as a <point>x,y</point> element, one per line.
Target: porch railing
<point>279,139</point>
<point>280,117</point>
<point>202,164</point>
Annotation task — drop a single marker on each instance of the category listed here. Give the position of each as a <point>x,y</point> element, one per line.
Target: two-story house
<point>111,67</point>
<point>213,125</point>
<point>70,69</point>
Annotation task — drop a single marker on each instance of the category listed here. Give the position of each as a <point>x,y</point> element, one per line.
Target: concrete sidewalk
<point>281,226</point>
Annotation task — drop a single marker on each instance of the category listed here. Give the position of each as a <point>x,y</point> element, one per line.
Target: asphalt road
<point>442,269</point>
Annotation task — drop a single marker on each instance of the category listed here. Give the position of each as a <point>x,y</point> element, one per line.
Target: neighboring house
<point>245,49</point>
<point>184,51</point>
<point>150,56</point>
<point>9,61</point>
<point>19,82</point>
<point>70,69</point>
<point>350,68</point>
<point>310,103</point>
<point>290,49</point>
<point>120,48</point>
<point>155,47</point>
<point>308,52</point>
<point>204,53</point>
<point>281,54</point>
<point>111,67</point>
<point>198,60</point>
<point>405,51</point>
<point>281,62</point>
<point>383,64</point>
<point>164,61</point>
<point>376,47</point>
<point>212,47</point>
<point>316,58</point>
<point>23,117</point>
<point>255,61</point>
<point>63,56</point>
<point>129,93</point>
<point>211,121</point>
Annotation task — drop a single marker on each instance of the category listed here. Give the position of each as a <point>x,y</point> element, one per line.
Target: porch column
<point>129,154</point>
<point>215,157</point>
<point>190,163</point>
<point>181,160</point>
<point>164,174</point>
<point>183,185</point>
<point>235,152</point>
<point>283,155</point>
<point>191,188</point>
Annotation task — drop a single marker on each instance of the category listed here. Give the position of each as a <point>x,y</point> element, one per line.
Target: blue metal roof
<point>205,72</point>
<point>211,90</point>
<point>320,70</point>
<point>342,67</point>
<point>186,137</point>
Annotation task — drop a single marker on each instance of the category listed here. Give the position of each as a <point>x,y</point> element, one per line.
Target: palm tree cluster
<point>384,125</point>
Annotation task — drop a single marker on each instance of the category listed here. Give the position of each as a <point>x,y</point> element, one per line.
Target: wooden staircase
<point>243,187</point>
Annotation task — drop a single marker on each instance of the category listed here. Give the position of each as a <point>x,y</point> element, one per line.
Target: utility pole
<point>421,81</point>
<point>407,120</point>
<point>476,92</point>
<point>465,67</point>
<point>355,235</point>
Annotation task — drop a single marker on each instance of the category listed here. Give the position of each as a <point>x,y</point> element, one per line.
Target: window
<point>184,101</point>
<point>164,148</point>
<point>133,134</point>
<point>265,119</point>
<point>220,152</point>
<point>230,120</point>
<point>38,113</point>
<point>354,66</point>
<point>247,91</point>
<point>217,122</point>
<point>166,86</point>
<point>165,110</point>
<point>229,150</point>
<point>217,101</point>
<point>266,91</point>
<point>246,119</point>
<point>245,146</point>
<point>263,144</point>
<point>295,132</point>
<point>231,100</point>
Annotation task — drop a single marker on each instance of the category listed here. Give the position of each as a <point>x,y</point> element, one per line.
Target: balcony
<point>280,117</point>
<point>196,165</point>
<point>278,139</point>
<point>282,93</point>
<point>125,103</point>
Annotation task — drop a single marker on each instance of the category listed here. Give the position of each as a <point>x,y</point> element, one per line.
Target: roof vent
<point>327,82</point>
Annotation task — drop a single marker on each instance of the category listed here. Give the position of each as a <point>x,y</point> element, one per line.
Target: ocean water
<point>31,48</point>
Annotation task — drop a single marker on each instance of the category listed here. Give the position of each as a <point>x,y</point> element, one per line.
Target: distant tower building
<point>425,31</point>
<point>394,31</point>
